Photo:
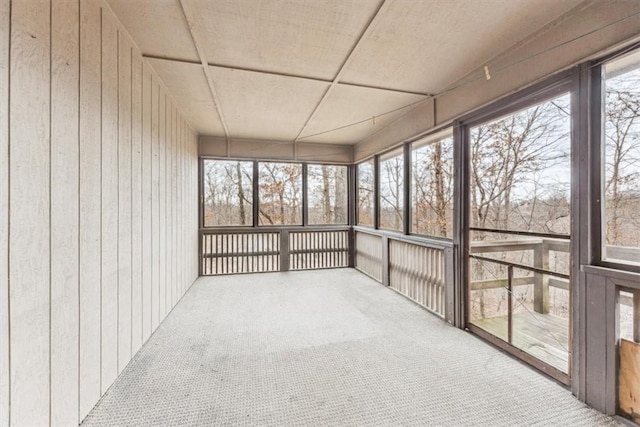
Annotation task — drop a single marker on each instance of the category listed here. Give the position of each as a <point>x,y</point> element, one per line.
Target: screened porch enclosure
<point>391,186</point>
<point>474,222</point>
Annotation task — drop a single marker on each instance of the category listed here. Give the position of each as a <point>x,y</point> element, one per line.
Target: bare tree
<point>432,188</point>
<point>280,189</point>
<point>365,193</point>
<point>227,192</point>
<point>391,192</point>
<point>622,157</point>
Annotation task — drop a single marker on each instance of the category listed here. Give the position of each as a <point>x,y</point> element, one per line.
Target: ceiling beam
<point>194,29</point>
<point>293,76</point>
<point>350,56</point>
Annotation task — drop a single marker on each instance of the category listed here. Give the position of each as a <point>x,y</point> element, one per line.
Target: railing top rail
<point>272,229</point>
<point>411,238</point>
<point>560,236</point>
<point>521,266</point>
<point>482,246</point>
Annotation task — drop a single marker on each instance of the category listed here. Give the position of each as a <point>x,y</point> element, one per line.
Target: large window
<point>432,186</point>
<point>392,190</point>
<point>621,230</point>
<point>519,285</point>
<point>327,194</point>
<point>228,197</point>
<point>280,193</point>
<point>366,183</point>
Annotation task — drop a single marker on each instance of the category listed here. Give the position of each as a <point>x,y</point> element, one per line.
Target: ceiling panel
<point>348,105</point>
<point>188,85</point>
<point>158,27</point>
<point>265,106</point>
<point>425,45</point>
<point>299,37</point>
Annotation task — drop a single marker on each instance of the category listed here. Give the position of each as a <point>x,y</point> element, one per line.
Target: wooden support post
<point>385,260</point>
<point>284,250</point>
<point>449,286</point>
<point>510,304</point>
<point>541,281</point>
<point>352,247</point>
<point>636,316</point>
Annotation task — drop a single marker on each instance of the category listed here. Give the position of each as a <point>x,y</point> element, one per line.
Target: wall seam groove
<point>50,190</point>
<point>79,17</point>
<point>8,104</point>
<point>101,182</point>
<point>131,197</point>
<point>117,236</point>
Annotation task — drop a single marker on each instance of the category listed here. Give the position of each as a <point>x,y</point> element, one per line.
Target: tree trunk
<point>326,197</point>
<point>441,203</point>
<point>243,214</point>
<point>339,212</point>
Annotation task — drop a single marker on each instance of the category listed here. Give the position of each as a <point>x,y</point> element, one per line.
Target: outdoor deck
<point>328,347</point>
<point>541,335</point>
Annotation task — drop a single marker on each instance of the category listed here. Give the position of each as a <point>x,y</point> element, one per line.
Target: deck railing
<point>540,276</point>
<point>318,249</point>
<point>259,250</point>
<point>417,267</point>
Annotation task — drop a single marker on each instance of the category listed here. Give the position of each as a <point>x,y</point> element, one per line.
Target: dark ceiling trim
<point>293,76</point>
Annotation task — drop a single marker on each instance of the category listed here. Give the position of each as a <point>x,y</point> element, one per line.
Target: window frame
<point>598,160</point>
<point>302,192</point>
<point>306,194</point>
<point>201,210</point>
<point>356,204</point>
<point>255,193</point>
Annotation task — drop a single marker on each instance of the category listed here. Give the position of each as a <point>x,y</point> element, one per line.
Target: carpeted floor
<point>327,347</point>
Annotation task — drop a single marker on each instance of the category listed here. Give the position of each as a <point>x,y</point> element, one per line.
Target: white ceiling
<point>320,70</point>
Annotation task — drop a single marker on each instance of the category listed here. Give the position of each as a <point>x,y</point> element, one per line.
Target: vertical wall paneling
<point>155,205</point>
<point>136,203</point>
<point>29,210</point>
<point>90,202</point>
<point>162,126</point>
<point>4,212</point>
<point>64,211</point>
<point>147,272</point>
<point>109,201</point>
<point>96,173</point>
<point>124,201</point>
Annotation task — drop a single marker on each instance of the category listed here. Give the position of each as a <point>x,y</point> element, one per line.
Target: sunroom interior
<point>479,160</point>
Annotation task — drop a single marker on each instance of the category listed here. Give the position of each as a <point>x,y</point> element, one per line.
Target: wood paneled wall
<point>98,207</point>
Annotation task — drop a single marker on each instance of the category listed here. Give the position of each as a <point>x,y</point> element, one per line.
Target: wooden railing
<point>419,273</point>
<point>259,250</point>
<point>239,252</point>
<point>318,249</point>
<point>540,264</point>
<point>417,267</point>
<point>369,254</point>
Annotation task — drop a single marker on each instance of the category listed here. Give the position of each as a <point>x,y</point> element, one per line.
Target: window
<point>621,228</point>
<point>391,190</point>
<point>228,193</point>
<point>280,193</point>
<point>432,186</point>
<point>366,185</point>
<point>521,170</point>
<point>327,194</point>
<point>519,287</point>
